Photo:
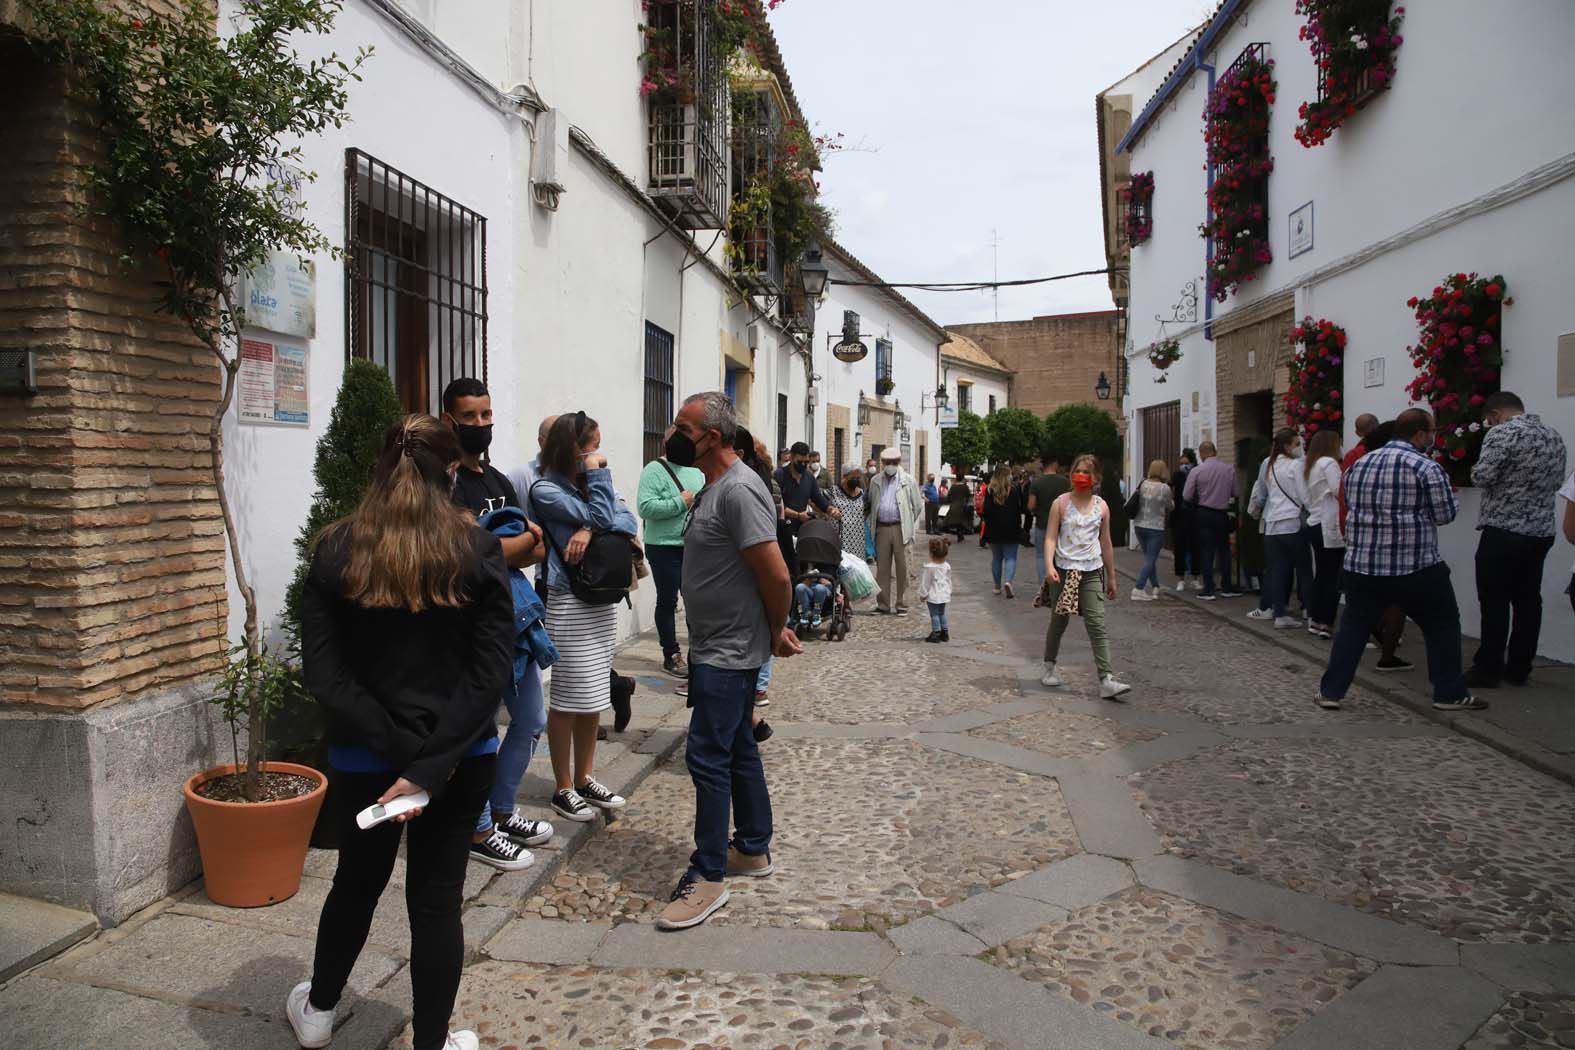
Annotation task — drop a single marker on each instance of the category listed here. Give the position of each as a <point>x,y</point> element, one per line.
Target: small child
<point>935,587</point>
<point>810,594</point>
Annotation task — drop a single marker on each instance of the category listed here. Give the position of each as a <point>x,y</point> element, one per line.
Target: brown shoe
<point>692,903</point>
<point>745,864</point>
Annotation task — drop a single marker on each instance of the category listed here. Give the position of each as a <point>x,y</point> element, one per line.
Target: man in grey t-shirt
<point>736,594</point>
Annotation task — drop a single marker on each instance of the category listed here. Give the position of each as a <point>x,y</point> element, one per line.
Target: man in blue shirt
<point>1397,497</point>
<point>932,506</point>
<point>799,490</point>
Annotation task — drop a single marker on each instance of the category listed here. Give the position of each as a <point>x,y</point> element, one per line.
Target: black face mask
<point>473,439</point>
<point>681,450</point>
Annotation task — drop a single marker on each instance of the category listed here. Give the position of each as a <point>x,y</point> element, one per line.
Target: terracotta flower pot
<point>253,852</point>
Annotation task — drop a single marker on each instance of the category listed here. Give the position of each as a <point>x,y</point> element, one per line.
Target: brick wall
<point>112,572</point>
<point>837,418</point>
<point>1057,358</point>
<point>1251,358</point>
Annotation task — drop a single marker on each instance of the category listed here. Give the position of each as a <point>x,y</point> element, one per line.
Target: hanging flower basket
<point>1316,398</point>
<point>1140,208</point>
<point>1458,357</point>
<point>1353,46</point>
<point>1162,355</point>
<point>1236,139</point>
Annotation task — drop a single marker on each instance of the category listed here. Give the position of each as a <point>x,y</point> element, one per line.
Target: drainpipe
<point>1208,245</point>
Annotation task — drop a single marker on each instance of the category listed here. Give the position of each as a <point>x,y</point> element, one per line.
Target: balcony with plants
<point>689,45</point>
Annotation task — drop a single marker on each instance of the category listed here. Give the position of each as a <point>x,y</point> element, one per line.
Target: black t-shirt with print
<point>484,490</point>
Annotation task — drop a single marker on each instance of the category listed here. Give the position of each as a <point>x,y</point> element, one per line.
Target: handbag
<point>1133,502</point>
<point>605,574</point>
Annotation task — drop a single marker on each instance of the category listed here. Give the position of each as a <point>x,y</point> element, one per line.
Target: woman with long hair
<point>1322,532</point>
<point>407,641</point>
<point>1003,525</point>
<point>959,507</point>
<point>1081,575</point>
<point>1155,500</point>
<point>1285,498</point>
<point>573,497</point>
<point>1183,524</point>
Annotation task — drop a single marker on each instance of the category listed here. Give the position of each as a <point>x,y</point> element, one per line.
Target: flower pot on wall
<point>253,852</point>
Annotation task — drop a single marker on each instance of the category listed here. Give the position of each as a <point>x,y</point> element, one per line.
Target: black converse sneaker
<point>569,804</point>
<point>500,851</point>
<point>597,795</point>
<point>528,832</point>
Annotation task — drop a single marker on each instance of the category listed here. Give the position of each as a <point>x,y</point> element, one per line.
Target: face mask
<point>1082,482</point>
<point>681,450</point>
<point>891,472</point>
<point>814,468</point>
<point>798,466</point>
<point>473,439</point>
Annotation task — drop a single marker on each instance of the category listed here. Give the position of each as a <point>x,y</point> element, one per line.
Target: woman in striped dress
<point>574,496</point>
<point>848,497</point>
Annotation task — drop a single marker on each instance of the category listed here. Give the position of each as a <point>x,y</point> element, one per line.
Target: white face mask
<point>1298,452</point>
<point>814,468</point>
<point>891,471</point>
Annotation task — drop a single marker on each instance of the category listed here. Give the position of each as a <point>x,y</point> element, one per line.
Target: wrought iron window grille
<point>658,389</point>
<point>687,154</point>
<point>756,134</point>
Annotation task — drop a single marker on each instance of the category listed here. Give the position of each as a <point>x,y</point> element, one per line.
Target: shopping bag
<point>856,577</point>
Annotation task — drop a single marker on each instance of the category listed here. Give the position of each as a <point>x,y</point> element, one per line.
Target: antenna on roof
<point>995,269</point>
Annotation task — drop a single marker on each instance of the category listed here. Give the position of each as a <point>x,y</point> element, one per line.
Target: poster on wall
<point>280,294</point>
<point>948,417</point>
<point>1301,231</point>
<point>271,386</point>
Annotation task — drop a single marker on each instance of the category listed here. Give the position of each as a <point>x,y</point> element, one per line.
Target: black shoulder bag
<point>606,572</point>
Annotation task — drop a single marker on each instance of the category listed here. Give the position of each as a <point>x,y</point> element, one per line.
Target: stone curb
<point>1522,967</point>
<point>1542,760</point>
<point>1419,1008</point>
<point>33,931</point>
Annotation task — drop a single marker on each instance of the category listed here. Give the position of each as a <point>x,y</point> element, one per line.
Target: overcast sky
<point>980,116</point>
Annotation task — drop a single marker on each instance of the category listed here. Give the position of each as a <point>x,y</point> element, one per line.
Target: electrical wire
<point>968,286</point>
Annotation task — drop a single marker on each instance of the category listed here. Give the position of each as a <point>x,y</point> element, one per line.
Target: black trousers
<point>438,853</point>
<point>932,513</point>
<point>1213,543</point>
<point>1509,592</point>
<point>787,537</point>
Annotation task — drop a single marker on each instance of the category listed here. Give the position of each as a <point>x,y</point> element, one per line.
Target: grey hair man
<point>736,595</point>
<point>524,475</point>
<point>895,506</point>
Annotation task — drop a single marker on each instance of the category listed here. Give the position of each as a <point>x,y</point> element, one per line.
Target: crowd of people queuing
<point>454,586</point>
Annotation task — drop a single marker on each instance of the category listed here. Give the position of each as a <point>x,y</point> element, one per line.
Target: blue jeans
<point>1214,543</point>
<point>809,598</point>
<point>763,676</point>
<point>1290,555</point>
<point>1003,561</point>
<point>667,569</point>
<point>724,763</point>
<point>1151,540</point>
<point>1038,536</point>
<point>527,718</point>
<point>938,616</point>
<point>1428,598</point>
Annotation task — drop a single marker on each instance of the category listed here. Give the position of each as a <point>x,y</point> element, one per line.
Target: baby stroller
<point>820,565</point>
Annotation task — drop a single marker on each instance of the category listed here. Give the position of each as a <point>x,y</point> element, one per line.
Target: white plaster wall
<point>985,385</point>
<point>466,150</point>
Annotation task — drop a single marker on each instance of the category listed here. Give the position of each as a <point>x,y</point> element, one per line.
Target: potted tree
<point>193,128</point>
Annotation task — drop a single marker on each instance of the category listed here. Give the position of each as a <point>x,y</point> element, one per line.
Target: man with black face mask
<point>799,490</point>
<point>480,487</point>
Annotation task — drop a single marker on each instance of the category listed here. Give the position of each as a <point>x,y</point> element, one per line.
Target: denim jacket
<point>561,512</point>
<point>531,644</point>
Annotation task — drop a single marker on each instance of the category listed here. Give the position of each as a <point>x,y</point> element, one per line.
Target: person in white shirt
<point>1322,534</point>
<point>935,589</point>
<point>1285,500</point>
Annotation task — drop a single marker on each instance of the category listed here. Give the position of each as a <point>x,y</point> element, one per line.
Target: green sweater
<point>661,506</point>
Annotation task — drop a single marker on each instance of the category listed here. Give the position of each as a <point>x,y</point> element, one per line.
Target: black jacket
<point>1003,521</point>
<point>418,689</point>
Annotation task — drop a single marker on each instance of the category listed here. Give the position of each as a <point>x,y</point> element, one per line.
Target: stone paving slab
<point>1008,755</point>
<point>556,1008</point>
<point>547,941</point>
<point>1008,1008</point>
<point>1149,753</point>
<point>983,716</point>
<point>1524,967</point>
<point>1171,968</point>
<point>1418,1008</point>
<point>32,931</point>
<point>1528,1019</point>
<point>1433,831</point>
<point>743,950</point>
<point>997,917</point>
<point>928,935</point>
<point>1073,883</point>
<point>1298,913</point>
<point>218,965</point>
<point>1060,733</point>
<point>1107,817</point>
<point>298,917</point>
<point>42,1013</point>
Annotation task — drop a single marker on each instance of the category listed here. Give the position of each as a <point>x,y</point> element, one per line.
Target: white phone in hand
<point>379,812</point>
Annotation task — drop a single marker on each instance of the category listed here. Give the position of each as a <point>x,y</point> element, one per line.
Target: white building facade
<point>1434,176</point>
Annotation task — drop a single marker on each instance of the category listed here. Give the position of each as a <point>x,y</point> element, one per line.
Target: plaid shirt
<point>1397,499</point>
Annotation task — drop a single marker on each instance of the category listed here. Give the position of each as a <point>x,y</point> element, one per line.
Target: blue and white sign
<point>1301,233</point>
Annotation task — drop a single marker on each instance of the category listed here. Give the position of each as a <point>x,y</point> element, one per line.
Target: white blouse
<point>1077,542</point>
<point>1287,495</point>
<point>1323,500</point>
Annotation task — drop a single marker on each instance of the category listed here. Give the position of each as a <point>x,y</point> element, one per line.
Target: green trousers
<point>1092,598</point>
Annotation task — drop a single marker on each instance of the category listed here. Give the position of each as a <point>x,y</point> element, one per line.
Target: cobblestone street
<point>967,859</point>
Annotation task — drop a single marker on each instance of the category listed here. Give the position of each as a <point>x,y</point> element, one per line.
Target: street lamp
<point>812,273</point>
<point>864,411</point>
<point>897,418</point>
<point>939,399</point>
<point>1102,388</point>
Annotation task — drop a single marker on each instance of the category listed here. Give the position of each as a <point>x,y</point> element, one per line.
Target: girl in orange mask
<point>1081,573</point>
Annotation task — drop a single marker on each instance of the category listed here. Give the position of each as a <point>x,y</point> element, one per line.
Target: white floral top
<point>1519,471</point>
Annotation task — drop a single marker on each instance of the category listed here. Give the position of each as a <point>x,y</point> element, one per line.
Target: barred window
<point>415,282</point>
<point>658,388</point>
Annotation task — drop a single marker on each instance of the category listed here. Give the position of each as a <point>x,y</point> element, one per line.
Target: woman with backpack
<point>407,642</point>
<point>578,510</point>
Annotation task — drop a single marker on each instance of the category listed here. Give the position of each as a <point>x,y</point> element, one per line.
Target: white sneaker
<point>1286,621</point>
<point>1140,595</point>
<point>1153,592</point>
<point>1109,688</point>
<point>1048,678</point>
<point>462,1041</point>
<point>313,1027</point>
<point>1197,584</point>
<point>1181,585</point>
<point>1260,614</point>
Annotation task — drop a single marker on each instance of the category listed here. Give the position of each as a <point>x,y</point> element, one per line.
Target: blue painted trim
<point>1193,62</point>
